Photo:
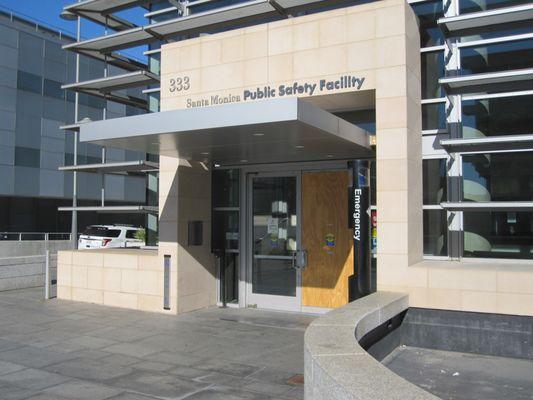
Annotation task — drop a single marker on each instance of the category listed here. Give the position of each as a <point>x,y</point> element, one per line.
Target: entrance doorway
<point>274,236</point>
<point>289,214</point>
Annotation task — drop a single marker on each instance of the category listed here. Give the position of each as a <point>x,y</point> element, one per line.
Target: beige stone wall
<point>492,286</point>
<point>128,278</point>
<point>375,41</point>
<point>185,195</point>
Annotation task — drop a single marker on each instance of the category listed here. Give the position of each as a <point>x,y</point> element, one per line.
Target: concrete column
<point>399,157</point>
<point>184,197</point>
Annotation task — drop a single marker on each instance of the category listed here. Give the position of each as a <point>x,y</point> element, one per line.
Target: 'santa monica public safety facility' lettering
<point>268,92</point>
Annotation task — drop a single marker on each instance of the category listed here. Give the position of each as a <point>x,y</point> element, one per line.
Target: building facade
<point>33,108</point>
<point>274,120</point>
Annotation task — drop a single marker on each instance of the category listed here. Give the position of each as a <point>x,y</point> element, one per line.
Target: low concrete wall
<point>23,272</point>
<point>22,263</point>
<point>127,278</point>
<point>23,248</point>
<point>337,367</point>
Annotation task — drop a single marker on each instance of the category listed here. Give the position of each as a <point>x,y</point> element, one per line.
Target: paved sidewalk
<point>65,350</point>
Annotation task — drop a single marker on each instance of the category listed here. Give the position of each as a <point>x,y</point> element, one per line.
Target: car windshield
<point>101,231</point>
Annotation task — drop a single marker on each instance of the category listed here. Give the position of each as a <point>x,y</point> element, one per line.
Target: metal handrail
<point>20,236</point>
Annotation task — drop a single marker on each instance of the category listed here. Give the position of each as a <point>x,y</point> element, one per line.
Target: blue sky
<point>47,12</point>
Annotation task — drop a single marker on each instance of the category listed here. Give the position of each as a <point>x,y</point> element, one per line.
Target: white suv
<point>109,236</point>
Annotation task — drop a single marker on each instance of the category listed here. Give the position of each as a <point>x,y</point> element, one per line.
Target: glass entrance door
<point>274,237</point>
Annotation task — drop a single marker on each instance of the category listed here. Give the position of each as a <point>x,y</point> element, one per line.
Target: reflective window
<point>231,275</point>
<point>154,102</point>
<point>432,68</point>
<point>29,82</point>
<point>30,54</point>
<point>497,57</point>
<point>501,234</point>
<point>498,177</point>
<point>226,224</point>
<point>467,6</point>
<point>53,89</point>
<point>225,228</point>
<point>498,30</point>
<point>154,63</point>
<point>434,116</point>
<point>435,233</point>
<point>226,188</point>
<point>428,13</point>
<point>497,116</point>
<point>364,119</point>
<point>26,157</point>
<point>434,181</point>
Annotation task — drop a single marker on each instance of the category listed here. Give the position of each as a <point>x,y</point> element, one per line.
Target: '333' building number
<point>179,84</point>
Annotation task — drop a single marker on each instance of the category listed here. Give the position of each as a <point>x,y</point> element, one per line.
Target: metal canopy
<point>218,17</point>
<point>510,142</point>
<point>479,83</point>
<point>114,209</point>
<point>489,206</point>
<point>112,21</point>
<point>115,59</point>
<point>486,18</point>
<point>120,40</point>
<point>102,6</point>
<point>279,130</point>
<point>116,82</point>
<point>131,167</point>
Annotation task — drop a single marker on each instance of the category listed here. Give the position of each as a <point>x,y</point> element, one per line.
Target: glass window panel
<point>502,234</point>
<point>154,63</point>
<point>26,157</point>
<point>434,181</point>
<point>498,177</point>
<point>53,51</point>
<point>364,119</point>
<point>8,99</point>
<point>225,188</point>
<point>53,89</point>
<point>29,82</point>
<point>498,30</point>
<point>432,68</point>
<point>435,233</point>
<point>28,131</point>
<point>497,116</point>
<point>274,235</point>
<point>8,77</point>
<point>497,57</point>
<point>434,116</point>
<point>232,277</point>
<point>153,102</point>
<point>428,13</point>
<point>467,6</point>
<point>226,225</point>
<point>30,55</point>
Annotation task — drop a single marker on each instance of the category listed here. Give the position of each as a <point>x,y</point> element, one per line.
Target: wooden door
<point>327,239</point>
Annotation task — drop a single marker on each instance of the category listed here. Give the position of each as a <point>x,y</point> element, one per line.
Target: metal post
<point>47,275</point>
<point>222,268</point>
<point>102,200</point>
<point>166,280</point>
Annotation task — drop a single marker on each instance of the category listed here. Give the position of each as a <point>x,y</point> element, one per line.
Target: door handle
<point>299,259</point>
